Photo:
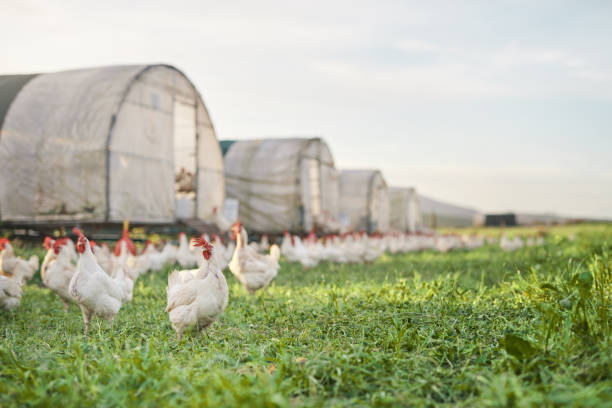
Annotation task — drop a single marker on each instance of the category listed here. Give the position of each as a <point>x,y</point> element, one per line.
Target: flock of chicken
<point>100,281</point>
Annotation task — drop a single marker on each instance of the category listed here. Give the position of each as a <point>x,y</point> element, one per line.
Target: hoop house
<point>405,212</point>
<point>364,200</point>
<point>282,184</point>
<point>106,144</point>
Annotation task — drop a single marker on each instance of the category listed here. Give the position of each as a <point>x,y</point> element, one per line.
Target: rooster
<point>12,266</point>
<point>196,298</point>
<point>96,293</point>
<point>57,271</point>
<point>253,270</point>
<point>125,237</point>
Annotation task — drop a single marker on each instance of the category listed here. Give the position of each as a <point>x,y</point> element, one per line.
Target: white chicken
<point>122,266</point>
<point>353,248</point>
<point>305,256</point>
<point>287,247</point>
<point>57,271</point>
<point>156,259</point>
<point>12,266</point>
<point>49,255</point>
<point>264,243</point>
<point>333,250</point>
<point>10,292</point>
<point>197,298</point>
<point>103,256</point>
<point>96,293</point>
<point>255,271</point>
<point>184,256</point>
<point>510,245</point>
<point>220,252</point>
<point>139,264</point>
<point>374,248</point>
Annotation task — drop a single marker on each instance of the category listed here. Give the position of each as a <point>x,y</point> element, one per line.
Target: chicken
<point>287,247</point>
<point>139,264</point>
<point>197,298</point>
<point>12,266</point>
<point>184,256</point>
<point>308,258</point>
<point>123,272</point>
<point>220,252</point>
<point>10,292</point>
<point>197,254</point>
<point>374,248</point>
<point>294,250</point>
<point>103,257</point>
<point>49,256</point>
<point>125,237</point>
<point>170,251</point>
<point>510,244</point>
<point>253,270</point>
<point>96,293</point>
<point>353,248</point>
<point>57,271</point>
<point>264,243</point>
<point>332,249</point>
<point>184,181</point>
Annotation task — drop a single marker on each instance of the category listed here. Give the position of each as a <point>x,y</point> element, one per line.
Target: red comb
<point>206,246</point>
<point>58,244</point>
<point>78,232</point>
<point>4,241</point>
<point>47,243</point>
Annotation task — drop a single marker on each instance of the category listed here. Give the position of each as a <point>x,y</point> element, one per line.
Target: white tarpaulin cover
<point>98,144</point>
<point>283,184</point>
<point>364,200</point>
<point>405,214</point>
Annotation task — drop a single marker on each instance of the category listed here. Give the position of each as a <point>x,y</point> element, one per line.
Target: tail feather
<point>275,252</point>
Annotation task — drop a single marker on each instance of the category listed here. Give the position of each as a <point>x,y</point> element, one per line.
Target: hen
<point>103,256</point>
<point>57,271</point>
<point>12,266</point>
<point>10,292</point>
<point>253,270</point>
<point>196,298</point>
<point>184,256</point>
<point>96,293</point>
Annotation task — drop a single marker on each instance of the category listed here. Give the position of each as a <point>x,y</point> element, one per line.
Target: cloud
<point>416,46</point>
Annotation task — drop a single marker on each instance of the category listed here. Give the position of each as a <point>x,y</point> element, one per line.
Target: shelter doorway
<point>185,163</point>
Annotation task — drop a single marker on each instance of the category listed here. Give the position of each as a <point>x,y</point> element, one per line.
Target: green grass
<point>481,328</point>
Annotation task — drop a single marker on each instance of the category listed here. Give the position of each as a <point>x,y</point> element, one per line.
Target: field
<point>480,328</point>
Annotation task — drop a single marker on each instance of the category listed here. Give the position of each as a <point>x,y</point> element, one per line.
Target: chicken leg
<point>86,319</point>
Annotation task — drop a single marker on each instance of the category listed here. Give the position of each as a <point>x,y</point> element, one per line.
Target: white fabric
<point>53,147</point>
<point>272,180</point>
<point>364,200</point>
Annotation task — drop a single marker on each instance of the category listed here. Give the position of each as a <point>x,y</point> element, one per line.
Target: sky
<point>503,105</point>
